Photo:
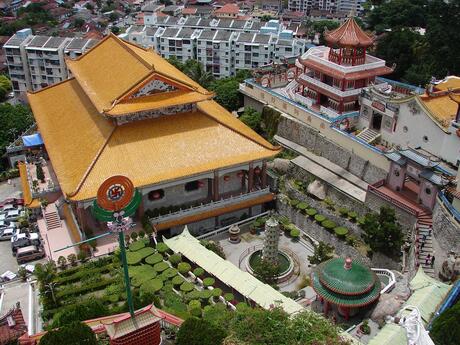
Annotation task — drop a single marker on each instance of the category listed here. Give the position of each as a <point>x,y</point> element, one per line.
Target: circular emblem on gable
<point>115,193</point>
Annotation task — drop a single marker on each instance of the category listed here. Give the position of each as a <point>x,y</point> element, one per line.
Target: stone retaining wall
<point>320,145</point>
<point>342,249</point>
<point>445,229</point>
<point>332,193</point>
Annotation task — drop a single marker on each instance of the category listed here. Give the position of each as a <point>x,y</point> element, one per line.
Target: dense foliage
<point>323,252</point>
<point>418,56</point>
<point>5,87</point>
<point>445,330</point>
<point>27,16</point>
<point>195,331</point>
<point>382,232</point>
<point>76,333</point>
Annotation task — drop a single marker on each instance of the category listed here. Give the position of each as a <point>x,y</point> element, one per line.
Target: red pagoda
<point>331,78</point>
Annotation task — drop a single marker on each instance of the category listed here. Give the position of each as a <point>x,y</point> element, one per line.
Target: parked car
<point>6,233</point>
<point>13,215</point>
<point>20,240</point>
<point>29,253</point>
<point>14,201</point>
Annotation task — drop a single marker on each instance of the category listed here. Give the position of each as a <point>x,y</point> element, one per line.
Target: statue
<point>415,330</point>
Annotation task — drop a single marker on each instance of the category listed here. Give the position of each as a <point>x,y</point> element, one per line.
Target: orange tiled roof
<point>228,9</point>
<point>349,34</point>
<point>85,148</point>
<point>442,105</point>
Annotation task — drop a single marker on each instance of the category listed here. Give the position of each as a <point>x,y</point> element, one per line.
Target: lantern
<point>257,170</point>
<point>240,174</point>
<point>226,178</point>
<point>200,184</point>
<point>156,195</point>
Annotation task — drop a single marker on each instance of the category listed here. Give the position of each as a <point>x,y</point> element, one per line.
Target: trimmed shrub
<point>311,212</point>
<point>184,267</point>
<point>141,234</point>
<point>194,308</point>
<point>341,231</point>
<point>175,259</point>
<point>302,206</point>
<point>242,306</point>
<point>229,297</point>
<point>361,220</point>
<point>294,202</point>
<point>133,258</point>
<point>145,252</point>
<point>284,220</point>
<point>353,216</point>
<point>295,233</point>
<point>208,281</point>
<point>154,259</point>
<point>187,287</point>
<point>205,294</point>
<point>216,292</point>
<point>319,218</point>
<point>162,247</point>
<point>198,272</point>
<point>328,224</point>
<point>177,280</point>
<point>135,246</point>
<point>134,236</point>
<point>343,211</point>
<point>194,294</point>
<point>151,286</point>
<point>146,272</point>
<point>161,266</point>
<point>169,273</point>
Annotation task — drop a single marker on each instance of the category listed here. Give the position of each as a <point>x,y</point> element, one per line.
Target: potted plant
<point>364,327</point>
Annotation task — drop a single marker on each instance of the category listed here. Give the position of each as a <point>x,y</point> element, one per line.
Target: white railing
<point>209,206</point>
<point>303,100</point>
<point>329,112</point>
<point>225,228</point>
<point>330,88</point>
<point>320,54</point>
<point>391,278</point>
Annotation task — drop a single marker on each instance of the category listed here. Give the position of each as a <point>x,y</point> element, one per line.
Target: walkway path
<point>425,229</point>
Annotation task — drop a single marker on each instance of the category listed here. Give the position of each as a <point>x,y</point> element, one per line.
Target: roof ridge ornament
<point>348,263</point>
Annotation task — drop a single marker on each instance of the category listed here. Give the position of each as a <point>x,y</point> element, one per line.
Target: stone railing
<point>374,189</point>
<point>303,100</point>
<point>391,278</point>
<point>329,112</point>
<point>209,206</point>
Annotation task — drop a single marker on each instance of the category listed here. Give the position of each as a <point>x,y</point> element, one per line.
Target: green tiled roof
<point>346,300</point>
<point>357,280</point>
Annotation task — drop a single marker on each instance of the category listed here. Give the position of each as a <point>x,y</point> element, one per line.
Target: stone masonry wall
<point>335,195</point>
<point>341,248</point>
<point>445,229</point>
<point>317,143</point>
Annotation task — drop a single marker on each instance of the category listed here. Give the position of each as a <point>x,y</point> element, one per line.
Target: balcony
<point>331,89</point>
<point>219,207</point>
<point>303,100</point>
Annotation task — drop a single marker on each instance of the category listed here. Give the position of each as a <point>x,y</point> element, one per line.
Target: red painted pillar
<point>326,307</point>
<point>250,177</point>
<point>347,313</point>
<point>215,194</point>
<point>264,175</point>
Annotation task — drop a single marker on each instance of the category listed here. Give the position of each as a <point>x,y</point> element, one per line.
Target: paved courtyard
<point>238,254</point>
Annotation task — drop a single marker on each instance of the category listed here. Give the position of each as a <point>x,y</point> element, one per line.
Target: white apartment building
<point>35,62</point>
<point>223,52</point>
<point>307,5</point>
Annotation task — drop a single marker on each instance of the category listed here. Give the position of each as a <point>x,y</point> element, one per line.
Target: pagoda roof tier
<point>86,148</point>
<point>329,69</point>
<point>349,34</point>
<point>114,69</point>
<point>354,287</point>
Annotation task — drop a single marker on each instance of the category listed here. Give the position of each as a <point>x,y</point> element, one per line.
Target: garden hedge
<point>187,287</point>
<point>343,211</point>
<point>151,286</point>
<point>341,231</point>
<point>142,276</point>
<point>133,258</point>
<point>161,266</point>
<point>328,224</point>
<point>198,272</point>
<point>302,206</point>
<point>86,288</point>
<point>162,247</point>
<point>154,259</point>
<point>229,297</point>
<point>295,233</point>
<point>184,267</point>
<point>140,270</point>
<point>319,218</point>
<point>194,294</point>
<point>146,251</point>
<point>205,294</point>
<point>135,246</point>
<point>208,281</point>
<point>311,212</point>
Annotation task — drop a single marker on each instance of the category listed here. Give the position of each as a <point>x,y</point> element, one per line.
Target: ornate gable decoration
<point>153,87</point>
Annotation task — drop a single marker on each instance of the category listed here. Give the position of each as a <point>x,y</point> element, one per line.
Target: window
<point>396,172</point>
<point>428,191</point>
<point>156,194</point>
<point>425,138</point>
<point>191,186</point>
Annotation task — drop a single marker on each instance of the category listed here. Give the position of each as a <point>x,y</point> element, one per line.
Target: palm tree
<point>196,71</point>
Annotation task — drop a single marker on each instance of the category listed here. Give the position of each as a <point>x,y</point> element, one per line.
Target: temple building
<point>330,79</point>
<point>345,284</point>
<point>126,111</point>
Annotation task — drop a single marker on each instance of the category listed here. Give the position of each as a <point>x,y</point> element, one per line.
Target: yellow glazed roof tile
<point>157,101</point>
<point>443,108</point>
<point>169,148</point>
<point>72,129</point>
<point>451,82</point>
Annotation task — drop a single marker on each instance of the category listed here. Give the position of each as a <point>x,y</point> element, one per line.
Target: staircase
<point>368,135</point>
<point>425,223</point>
<point>51,217</point>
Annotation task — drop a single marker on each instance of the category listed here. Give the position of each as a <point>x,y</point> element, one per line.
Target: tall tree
<point>196,331</point>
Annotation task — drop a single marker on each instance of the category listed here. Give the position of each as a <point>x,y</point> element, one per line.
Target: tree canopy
<point>382,232</point>
<point>445,330</point>
<point>196,331</point>
<point>76,333</point>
